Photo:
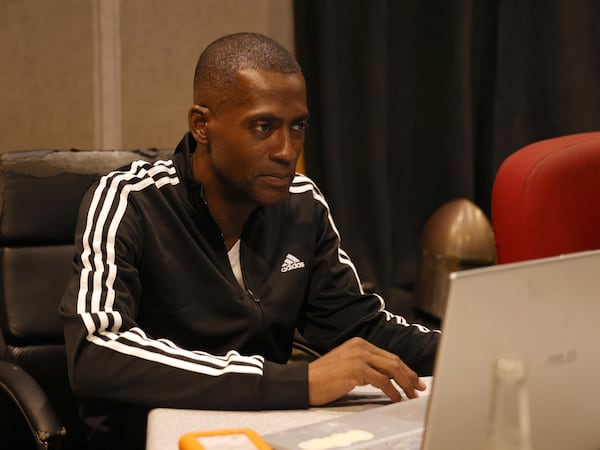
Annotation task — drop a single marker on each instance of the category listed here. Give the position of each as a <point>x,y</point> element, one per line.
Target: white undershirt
<point>234,260</point>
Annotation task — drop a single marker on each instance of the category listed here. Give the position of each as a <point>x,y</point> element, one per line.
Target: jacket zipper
<point>253,296</point>
<point>255,300</point>
<point>249,292</point>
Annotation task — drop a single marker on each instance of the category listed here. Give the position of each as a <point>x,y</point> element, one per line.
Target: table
<point>166,425</point>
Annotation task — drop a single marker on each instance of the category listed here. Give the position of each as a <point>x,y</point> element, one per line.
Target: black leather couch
<point>39,198</point>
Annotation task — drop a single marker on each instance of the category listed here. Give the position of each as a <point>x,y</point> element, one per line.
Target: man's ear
<point>197,121</point>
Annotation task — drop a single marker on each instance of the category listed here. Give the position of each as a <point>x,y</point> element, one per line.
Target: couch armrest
<point>33,404</point>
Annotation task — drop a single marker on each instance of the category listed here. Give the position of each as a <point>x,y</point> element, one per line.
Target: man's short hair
<point>222,59</point>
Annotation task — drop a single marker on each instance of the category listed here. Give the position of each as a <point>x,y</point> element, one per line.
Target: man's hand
<point>357,363</point>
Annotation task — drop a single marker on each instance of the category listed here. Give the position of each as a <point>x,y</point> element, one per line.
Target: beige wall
<point>112,73</point>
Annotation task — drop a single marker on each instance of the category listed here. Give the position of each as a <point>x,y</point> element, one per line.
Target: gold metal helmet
<point>457,236</point>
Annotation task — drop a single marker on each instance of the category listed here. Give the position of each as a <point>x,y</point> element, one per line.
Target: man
<point>191,275</point>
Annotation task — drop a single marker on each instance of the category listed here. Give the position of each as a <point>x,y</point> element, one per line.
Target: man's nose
<point>285,150</point>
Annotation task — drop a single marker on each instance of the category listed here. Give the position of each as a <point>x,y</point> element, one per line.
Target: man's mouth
<point>278,178</point>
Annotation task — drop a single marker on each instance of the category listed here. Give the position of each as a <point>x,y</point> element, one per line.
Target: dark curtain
<point>415,103</point>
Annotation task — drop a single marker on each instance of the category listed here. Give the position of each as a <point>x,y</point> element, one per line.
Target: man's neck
<point>230,216</point>
<point>230,219</point>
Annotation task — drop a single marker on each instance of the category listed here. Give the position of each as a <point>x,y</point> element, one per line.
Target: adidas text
<point>291,263</point>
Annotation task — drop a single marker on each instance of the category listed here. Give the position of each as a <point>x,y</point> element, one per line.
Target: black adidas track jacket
<point>154,317</point>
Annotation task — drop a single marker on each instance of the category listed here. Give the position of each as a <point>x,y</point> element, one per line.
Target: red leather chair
<point>546,199</point>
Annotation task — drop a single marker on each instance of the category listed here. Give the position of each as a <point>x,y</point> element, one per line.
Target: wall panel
<point>112,73</point>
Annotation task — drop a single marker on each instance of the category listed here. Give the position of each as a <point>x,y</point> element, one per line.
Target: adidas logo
<point>291,263</point>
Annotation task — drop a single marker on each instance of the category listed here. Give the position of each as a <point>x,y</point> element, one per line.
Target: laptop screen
<point>544,311</point>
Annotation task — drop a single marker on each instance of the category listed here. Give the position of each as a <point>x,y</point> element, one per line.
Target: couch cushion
<point>32,283</point>
<point>40,191</point>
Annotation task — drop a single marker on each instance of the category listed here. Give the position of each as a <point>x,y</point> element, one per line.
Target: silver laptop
<point>546,311</point>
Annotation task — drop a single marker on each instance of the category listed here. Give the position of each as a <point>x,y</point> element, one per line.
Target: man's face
<point>255,139</point>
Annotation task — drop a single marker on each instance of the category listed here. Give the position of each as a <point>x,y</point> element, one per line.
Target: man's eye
<point>300,126</point>
<point>262,127</point>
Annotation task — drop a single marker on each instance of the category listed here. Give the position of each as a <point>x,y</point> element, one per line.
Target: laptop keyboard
<point>410,441</point>
<point>392,426</point>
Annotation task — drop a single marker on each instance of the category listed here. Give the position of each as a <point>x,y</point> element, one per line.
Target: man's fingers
<point>383,382</point>
<point>391,366</point>
<point>356,363</point>
<point>394,367</point>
